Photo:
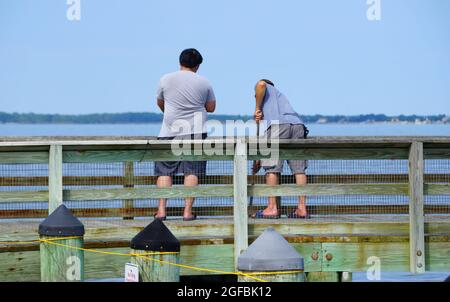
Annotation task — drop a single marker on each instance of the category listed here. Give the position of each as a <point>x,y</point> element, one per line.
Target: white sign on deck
<point>131,272</point>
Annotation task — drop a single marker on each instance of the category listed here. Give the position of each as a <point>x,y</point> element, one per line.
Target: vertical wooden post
<point>55,185</point>
<point>156,238</point>
<point>416,209</point>
<point>128,172</point>
<point>62,259</point>
<point>240,209</point>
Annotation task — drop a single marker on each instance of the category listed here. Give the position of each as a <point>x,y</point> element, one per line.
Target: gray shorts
<point>171,168</point>
<point>286,131</point>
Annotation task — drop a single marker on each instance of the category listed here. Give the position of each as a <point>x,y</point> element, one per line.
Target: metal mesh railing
<point>342,207</point>
<point>437,172</point>
<point>101,176</point>
<point>23,178</point>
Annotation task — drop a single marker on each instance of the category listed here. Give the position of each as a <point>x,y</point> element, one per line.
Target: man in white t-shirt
<point>185,98</point>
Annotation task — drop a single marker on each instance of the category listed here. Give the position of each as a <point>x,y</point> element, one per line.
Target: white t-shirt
<point>185,94</point>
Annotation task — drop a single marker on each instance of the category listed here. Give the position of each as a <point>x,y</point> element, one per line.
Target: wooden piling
<point>62,259</point>
<point>271,258</point>
<point>155,251</point>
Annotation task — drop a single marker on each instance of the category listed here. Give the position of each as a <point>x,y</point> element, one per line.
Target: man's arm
<point>259,96</point>
<point>210,106</point>
<point>160,104</point>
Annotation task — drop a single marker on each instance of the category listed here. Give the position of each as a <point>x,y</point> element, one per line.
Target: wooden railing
<point>56,151</point>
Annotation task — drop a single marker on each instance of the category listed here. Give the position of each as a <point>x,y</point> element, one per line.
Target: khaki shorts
<point>285,131</point>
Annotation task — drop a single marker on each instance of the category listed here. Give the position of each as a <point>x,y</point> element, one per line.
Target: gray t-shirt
<point>185,94</point>
<point>277,109</point>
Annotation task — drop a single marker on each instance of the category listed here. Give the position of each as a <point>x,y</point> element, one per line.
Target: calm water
<point>315,130</point>
<point>153,130</point>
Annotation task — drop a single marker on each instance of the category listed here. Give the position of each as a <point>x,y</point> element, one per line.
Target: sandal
<point>260,215</point>
<point>159,218</point>
<point>294,215</point>
<point>194,217</point>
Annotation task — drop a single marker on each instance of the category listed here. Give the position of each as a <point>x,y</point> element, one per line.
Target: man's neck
<point>187,69</point>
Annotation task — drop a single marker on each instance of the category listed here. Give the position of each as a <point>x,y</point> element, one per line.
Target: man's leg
<point>272,179</point>
<point>163,182</point>
<point>189,181</point>
<point>300,179</point>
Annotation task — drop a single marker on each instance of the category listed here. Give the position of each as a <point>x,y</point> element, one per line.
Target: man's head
<point>191,58</point>
<point>268,82</point>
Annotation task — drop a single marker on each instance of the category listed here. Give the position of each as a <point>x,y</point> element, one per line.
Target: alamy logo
<point>374,270</point>
<point>74,10</point>
<point>374,10</point>
<point>182,146</point>
<point>73,272</point>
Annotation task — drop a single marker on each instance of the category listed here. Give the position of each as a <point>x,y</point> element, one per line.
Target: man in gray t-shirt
<point>185,98</point>
<point>283,122</point>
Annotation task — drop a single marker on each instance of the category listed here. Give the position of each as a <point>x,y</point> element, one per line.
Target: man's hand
<point>258,115</point>
<point>256,166</point>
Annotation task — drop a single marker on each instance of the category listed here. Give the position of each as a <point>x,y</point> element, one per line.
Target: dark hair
<point>268,82</point>
<point>190,58</point>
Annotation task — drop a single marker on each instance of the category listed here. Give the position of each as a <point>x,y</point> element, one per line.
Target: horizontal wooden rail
<point>217,211</point>
<point>217,179</point>
<point>224,191</point>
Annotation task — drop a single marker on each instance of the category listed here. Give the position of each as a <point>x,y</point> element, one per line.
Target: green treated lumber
<point>222,211</point>
<point>162,269</point>
<point>436,153</point>
<point>322,277</point>
<point>108,156</point>
<point>128,171</point>
<point>24,266</point>
<point>240,209</point>
<point>24,196</point>
<point>437,189</point>
<point>329,189</point>
<point>55,186</point>
<point>223,191</point>
<point>62,264</point>
<point>343,226</point>
<point>145,193</point>
<point>343,153</point>
<point>416,209</point>
<point>23,157</point>
<point>29,181</point>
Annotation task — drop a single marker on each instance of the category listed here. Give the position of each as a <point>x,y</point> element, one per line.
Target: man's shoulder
<point>170,75</point>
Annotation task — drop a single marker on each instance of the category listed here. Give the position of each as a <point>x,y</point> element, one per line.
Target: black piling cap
<point>156,237</point>
<point>61,223</point>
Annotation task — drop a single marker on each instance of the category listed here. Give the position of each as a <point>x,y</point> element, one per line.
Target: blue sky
<point>323,54</point>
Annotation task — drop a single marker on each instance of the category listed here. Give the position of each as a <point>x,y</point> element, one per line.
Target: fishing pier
<point>373,201</point>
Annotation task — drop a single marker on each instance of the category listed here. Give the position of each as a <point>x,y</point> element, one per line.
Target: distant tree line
<point>136,118</point>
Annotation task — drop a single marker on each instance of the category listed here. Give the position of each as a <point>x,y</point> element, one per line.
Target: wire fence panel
<point>136,175</point>
<point>141,175</point>
<point>338,207</point>
<point>23,178</point>
<point>437,172</point>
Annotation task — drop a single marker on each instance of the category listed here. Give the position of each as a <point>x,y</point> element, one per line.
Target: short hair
<point>190,58</point>
<point>268,82</point>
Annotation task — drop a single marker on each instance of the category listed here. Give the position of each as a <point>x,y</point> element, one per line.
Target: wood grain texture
<point>62,264</point>
<point>23,157</point>
<point>162,269</point>
<point>55,185</point>
<point>219,179</point>
<point>416,208</point>
<point>240,210</point>
<point>128,171</point>
<point>316,210</point>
